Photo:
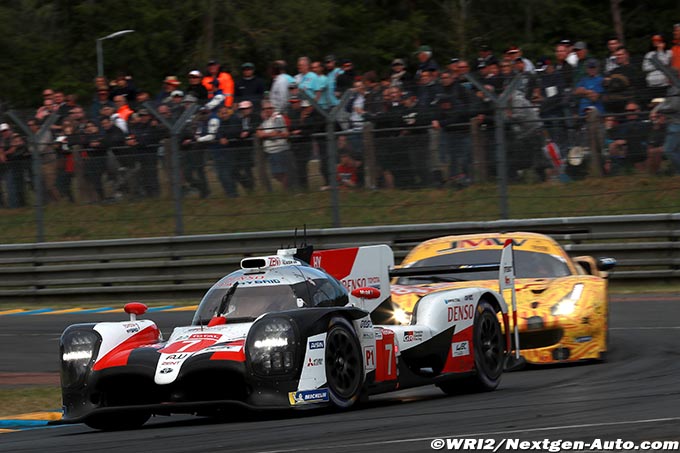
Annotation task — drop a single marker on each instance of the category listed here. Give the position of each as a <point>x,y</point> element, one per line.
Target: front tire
<point>344,363</point>
<point>488,344</point>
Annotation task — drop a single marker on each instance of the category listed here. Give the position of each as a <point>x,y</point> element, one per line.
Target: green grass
<point>14,401</point>
<point>285,211</point>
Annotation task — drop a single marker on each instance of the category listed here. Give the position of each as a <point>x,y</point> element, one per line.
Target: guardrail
<point>183,267</point>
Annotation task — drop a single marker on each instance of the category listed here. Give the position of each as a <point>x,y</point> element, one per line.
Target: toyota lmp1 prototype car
<point>282,333</point>
<point>562,304</point>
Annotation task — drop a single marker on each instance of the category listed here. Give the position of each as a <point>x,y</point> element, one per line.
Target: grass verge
<point>15,401</point>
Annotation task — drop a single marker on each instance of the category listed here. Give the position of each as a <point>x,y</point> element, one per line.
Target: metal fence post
<point>499,104</point>
<point>36,168</point>
<point>176,175</point>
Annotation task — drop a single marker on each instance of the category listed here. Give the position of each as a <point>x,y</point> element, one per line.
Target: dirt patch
<point>20,379</point>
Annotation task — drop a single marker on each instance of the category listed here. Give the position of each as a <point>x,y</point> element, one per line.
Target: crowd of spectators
<point>404,127</point>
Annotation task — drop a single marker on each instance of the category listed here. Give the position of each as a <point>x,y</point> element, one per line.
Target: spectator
<point>46,109</point>
<point>399,77</point>
<point>589,89</point>
<point>675,50</point>
<point>139,100</point>
<point>208,137</point>
<point>274,135</point>
<point>657,82</point>
<point>324,97</point>
<point>346,79</point>
<point>16,161</point>
<point>454,141</point>
<point>332,72</point>
<point>513,53</point>
<point>110,113</point>
<point>550,95</point>
<point>610,62</point>
<point>65,146</point>
<point>629,147</point>
<point>306,80</point>
<point>123,86</point>
<point>95,164</point>
<point>428,90</point>
<point>170,84</point>
<point>220,81</point>
<point>426,62</point>
<point>347,170</point>
<point>123,110</point>
<point>242,127</point>
<point>484,56</point>
<point>280,91</point>
<point>117,156</point>
<point>100,100</point>
<point>622,83</point>
<point>581,50</point>
<point>562,66</point>
<point>249,87</point>
<point>303,123</point>
<point>671,110</point>
<point>48,159</point>
<point>144,137</point>
<point>196,88</point>
<point>655,141</point>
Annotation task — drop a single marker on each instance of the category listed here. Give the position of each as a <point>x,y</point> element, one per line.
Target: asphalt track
<point>634,396</point>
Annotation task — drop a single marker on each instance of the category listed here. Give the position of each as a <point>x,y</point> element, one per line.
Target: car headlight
<point>271,346</point>
<point>78,348</point>
<point>567,305</point>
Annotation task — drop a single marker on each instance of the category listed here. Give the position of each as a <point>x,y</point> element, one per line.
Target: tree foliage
<point>52,42</point>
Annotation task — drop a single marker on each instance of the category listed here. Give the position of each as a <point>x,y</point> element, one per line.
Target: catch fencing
<point>174,268</point>
<point>473,152</point>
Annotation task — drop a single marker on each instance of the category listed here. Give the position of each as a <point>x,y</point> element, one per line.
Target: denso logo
<point>460,313</point>
<point>316,344</point>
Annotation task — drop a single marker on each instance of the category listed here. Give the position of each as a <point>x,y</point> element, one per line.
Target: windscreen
<point>527,265</point>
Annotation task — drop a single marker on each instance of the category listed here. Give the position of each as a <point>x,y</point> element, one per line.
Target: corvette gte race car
<point>562,304</point>
<point>281,333</point>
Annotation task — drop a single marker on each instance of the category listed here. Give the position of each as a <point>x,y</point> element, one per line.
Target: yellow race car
<point>562,303</point>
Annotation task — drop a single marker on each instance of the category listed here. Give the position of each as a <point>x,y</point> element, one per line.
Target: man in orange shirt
<point>220,81</point>
<point>122,107</point>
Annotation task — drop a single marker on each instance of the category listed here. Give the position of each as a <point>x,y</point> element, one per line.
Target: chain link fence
<point>183,169</point>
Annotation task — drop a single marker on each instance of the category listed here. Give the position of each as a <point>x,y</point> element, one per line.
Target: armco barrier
<point>183,267</point>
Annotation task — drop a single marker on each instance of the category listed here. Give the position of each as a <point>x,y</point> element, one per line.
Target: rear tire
<point>118,422</point>
<point>488,344</point>
<point>344,363</point>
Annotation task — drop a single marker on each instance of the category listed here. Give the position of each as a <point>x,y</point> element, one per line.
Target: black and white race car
<point>283,332</point>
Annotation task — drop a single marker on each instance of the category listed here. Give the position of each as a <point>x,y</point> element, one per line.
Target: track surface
<point>635,396</point>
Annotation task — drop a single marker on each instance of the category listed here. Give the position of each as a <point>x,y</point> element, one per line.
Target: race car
<point>562,304</point>
<point>282,333</point>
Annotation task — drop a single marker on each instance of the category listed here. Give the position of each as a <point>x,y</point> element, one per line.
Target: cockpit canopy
<point>259,291</point>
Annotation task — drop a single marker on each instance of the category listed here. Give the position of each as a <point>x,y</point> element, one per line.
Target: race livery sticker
<point>413,335</point>
<point>308,397</point>
<point>460,349</point>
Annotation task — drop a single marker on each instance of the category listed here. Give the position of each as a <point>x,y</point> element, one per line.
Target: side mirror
<point>605,264</point>
<point>135,309</point>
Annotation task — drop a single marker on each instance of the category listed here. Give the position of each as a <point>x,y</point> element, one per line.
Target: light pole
<point>100,56</point>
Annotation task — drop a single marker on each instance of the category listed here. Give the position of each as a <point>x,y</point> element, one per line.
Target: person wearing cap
<point>426,62</point>
<point>195,87</point>
<point>581,50</point>
<point>170,84</point>
<point>332,73</point>
<point>513,53</point>
<point>399,76</point>
<point>279,93</point>
<point>657,82</point>
<point>144,136</point>
<point>589,89</point>
<point>345,80</point>
<point>218,81</point>
<point>249,87</point>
